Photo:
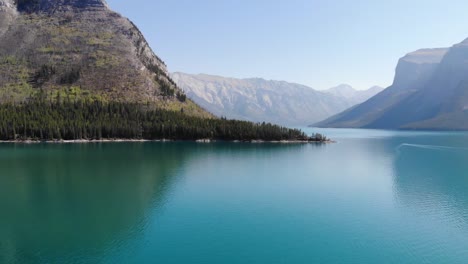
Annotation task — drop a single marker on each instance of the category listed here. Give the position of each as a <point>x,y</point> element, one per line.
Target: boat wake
<point>429,147</point>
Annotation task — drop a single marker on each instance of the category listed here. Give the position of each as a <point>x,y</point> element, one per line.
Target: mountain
<point>430,91</point>
<point>80,49</point>
<point>74,69</point>
<point>260,100</point>
<point>352,95</point>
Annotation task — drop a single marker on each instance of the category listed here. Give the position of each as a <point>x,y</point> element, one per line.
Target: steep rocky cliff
<point>79,49</point>
<point>423,81</point>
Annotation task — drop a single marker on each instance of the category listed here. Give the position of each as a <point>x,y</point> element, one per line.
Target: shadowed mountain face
<point>79,49</point>
<point>430,91</point>
<point>260,100</point>
<point>55,5</point>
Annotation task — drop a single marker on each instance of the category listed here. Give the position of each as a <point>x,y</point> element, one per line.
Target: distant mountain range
<point>352,95</point>
<point>261,100</point>
<point>430,91</point>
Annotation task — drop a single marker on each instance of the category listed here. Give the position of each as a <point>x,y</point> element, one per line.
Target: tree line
<point>94,120</point>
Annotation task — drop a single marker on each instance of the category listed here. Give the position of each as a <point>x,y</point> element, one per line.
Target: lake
<point>373,197</point>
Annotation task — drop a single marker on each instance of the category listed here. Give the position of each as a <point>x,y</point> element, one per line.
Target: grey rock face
<point>417,67</point>
<point>430,91</point>
<point>260,100</point>
<point>7,5</point>
<point>7,14</point>
<point>113,58</point>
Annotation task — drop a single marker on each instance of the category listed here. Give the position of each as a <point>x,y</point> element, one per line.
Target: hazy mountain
<point>260,100</point>
<point>430,91</point>
<point>79,49</point>
<point>352,95</point>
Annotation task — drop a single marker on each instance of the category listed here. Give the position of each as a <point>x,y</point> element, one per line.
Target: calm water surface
<point>373,197</point>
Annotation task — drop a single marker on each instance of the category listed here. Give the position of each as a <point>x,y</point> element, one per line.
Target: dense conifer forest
<point>95,120</point>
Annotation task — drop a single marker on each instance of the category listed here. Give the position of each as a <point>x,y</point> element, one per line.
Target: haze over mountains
<point>352,95</point>
<point>82,50</point>
<point>261,100</point>
<point>430,91</point>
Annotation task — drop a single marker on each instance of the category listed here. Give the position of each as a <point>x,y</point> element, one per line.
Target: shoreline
<point>120,140</point>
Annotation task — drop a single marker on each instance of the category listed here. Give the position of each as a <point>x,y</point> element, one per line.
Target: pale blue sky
<point>317,43</point>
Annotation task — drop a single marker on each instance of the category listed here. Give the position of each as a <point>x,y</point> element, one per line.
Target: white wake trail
<point>430,147</point>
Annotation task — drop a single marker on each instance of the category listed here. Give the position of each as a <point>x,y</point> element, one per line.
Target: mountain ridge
<point>259,100</point>
<point>355,96</point>
<point>76,70</point>
<point>429,92</point>
<point>80,49</point>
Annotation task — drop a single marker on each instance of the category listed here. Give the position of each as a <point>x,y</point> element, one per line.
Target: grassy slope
<point>103,47</point>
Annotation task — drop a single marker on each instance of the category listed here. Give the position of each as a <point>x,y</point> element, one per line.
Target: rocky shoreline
<point>81,141</point>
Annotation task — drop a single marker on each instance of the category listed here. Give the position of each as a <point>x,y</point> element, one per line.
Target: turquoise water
<point>373,197</point>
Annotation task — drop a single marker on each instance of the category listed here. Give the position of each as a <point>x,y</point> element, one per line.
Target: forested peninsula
<point>43,120</point>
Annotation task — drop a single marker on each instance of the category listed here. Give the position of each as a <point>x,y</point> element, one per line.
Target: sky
<point>316,43</point>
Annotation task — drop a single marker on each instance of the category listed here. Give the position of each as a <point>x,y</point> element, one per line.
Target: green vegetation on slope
<point>98,52</point>
<point>77,70</point>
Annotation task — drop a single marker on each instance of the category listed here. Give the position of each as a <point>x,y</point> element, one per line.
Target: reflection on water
<point>57,199</point>
<point>374,197</point>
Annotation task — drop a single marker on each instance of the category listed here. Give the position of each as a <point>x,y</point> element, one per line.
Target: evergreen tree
<point>40,119</point>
